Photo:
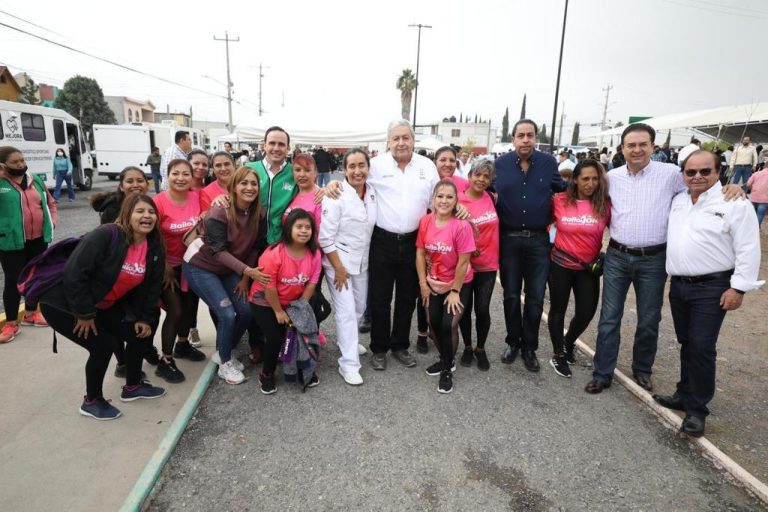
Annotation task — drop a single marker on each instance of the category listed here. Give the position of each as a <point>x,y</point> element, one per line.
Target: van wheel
<point>87,184</point>
<point>112,177</point>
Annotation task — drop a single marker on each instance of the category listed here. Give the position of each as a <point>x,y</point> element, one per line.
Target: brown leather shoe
<point>644,381</point>
<point>596,386</point>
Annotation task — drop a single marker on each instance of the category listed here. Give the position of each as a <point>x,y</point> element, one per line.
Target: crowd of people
<point>255,240</point>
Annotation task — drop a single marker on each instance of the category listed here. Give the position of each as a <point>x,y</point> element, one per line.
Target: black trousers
<point>445,325</point>
<point>392,267</point>
<point>111,330</point>
<point>274,335</point>
<point>480,297</point>
<point>586,291</point>
<point>180,310</point>
<point>13,263</point>
<point>697,316</point>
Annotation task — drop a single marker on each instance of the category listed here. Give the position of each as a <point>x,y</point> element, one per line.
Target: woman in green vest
<point>27,218</point>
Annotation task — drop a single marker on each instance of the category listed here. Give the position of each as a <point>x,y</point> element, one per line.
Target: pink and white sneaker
<point>35,319</point>
<point>9,332</point>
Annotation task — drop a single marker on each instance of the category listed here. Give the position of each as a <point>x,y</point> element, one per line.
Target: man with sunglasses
<point>713,258</point>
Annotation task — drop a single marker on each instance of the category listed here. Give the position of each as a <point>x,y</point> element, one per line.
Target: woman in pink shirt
<point>223,169</point>
<point>581,215</point>
<point>178,209</point>
<point>198,159</point>
<point>305,176</point>
<point>444,245</point>
<point>485,261</point>
<point>293,265</point>
<point>758,188</point>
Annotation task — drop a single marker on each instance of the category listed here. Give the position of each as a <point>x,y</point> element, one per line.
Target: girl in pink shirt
<point>178,209</point>
<point>485,261</point>
<point>758,188</point>
<point>581,215</point>
<point>198,159</point>
<point>223,169</point>
<point>305,176</point>
<point>293,265</point>
<point>444,246</point>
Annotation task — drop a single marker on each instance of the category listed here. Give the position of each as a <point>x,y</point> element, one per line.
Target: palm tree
<point>406,83</point>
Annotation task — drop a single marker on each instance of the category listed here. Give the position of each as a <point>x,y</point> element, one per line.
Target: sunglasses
<point>693,172</point>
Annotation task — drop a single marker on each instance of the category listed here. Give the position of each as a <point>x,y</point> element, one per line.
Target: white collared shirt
<point>271,174</point>
<point>347,227</point>
<point>640,203</point>
<point>714,235</point>
<point>403,196</point>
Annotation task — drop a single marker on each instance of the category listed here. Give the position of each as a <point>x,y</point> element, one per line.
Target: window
<point>130,115</point>
<point>456,132</point>
<point>32,127</point>
<point>194,139</point>
<point>58,131</point>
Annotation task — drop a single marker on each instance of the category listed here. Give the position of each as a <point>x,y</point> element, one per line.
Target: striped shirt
<point>640,203</point>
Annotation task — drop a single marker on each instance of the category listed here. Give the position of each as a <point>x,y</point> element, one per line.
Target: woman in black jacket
<point>111,288</point>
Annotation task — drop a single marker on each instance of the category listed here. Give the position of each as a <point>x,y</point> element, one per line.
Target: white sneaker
<point>229,373</point>
<point>194,338</point>
<point>351,378</point>
<point>361,350</point>
<point>237,364</point>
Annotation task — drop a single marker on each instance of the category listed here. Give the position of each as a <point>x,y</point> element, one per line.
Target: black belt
<point>526,233</point>
<point>395,236</point>
<point>725,274</point>
<point>637,251</point>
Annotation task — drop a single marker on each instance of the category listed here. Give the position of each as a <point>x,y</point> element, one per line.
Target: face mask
<point>17,172</point>
<point>58,155</point>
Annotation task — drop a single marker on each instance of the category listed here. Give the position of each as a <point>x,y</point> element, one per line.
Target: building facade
<point>10,90</point>
<point>129,110</point>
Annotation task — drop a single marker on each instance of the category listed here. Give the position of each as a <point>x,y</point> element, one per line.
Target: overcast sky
<point>336,62</point>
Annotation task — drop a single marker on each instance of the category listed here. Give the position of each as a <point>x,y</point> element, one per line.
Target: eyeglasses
<point>693,172</point>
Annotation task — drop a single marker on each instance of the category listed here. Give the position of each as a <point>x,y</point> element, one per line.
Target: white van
<point>123,145</point>
<point>38,132</point>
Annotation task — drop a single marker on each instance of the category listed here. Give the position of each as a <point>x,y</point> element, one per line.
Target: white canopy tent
<point>429,143</point>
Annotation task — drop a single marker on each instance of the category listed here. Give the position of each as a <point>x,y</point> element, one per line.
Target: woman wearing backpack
<point>112,283</point>
<point>27,218</point>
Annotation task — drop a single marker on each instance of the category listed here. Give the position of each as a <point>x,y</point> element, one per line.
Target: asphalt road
<point>506,439</point>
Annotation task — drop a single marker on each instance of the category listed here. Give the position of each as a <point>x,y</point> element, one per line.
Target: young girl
<point>130,181</point>
<point>178,209</point>
<point>448,244</point>
<point>305,176</point>
<point>293,265</point>
<point>219,265</point>
<point>484,261</point>
<point>111,285</point>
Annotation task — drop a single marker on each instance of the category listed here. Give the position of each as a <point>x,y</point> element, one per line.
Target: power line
<point>34,24</point>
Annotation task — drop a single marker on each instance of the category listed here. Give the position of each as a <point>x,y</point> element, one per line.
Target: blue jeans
<point>741,172</point>
<point>523,259</point>
<point>323,178</point>
<point>157,179</point>
<point>760,209</point>
<point>697,316</point>
<point>63,176</point>
<point>648,275</point>
<point>233,314</point>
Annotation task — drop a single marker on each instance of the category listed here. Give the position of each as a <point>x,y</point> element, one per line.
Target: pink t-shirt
<point>209,193</point>
<point>483,215</point>
<point>289,275</point>
<point>579,230</point>
<point>461,183</point>
<point>759,184</point>
<point>174,221</point>
<point>306,201</point>
<point>444,245</point>
<point>131,275</point>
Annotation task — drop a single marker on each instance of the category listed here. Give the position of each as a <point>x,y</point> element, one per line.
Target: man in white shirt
<point>464,164</point>
<point>180,150</point>
<point>695,145</point>
<point>565,163</point>
<point>404,182</point>
<point>743,163</point>
<point>713,258</point>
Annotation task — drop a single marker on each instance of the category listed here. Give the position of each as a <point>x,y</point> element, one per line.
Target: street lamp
<point>557,85</point>
<point>418,52</point>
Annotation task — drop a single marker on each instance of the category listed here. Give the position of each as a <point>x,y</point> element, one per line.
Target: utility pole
<point>261,75</point>
<point>560,130</point>
<point>557,85</point>
<point>226,40</point>
<point>418,55</point>
<point>607,90</point>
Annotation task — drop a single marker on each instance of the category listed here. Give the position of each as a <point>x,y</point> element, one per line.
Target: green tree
<point>29,93</point>
<point>522,110</point>
<point>543,137</point>
<point>575,136</point>
<point>406,83</point>
<point>505,127</point>
<point>82,97</point>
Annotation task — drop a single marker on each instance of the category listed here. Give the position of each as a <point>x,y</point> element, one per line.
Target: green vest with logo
<point>276,194</point>
<point>12,236</point>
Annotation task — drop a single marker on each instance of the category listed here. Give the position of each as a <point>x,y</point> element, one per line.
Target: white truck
<point>123,145</point>
<point>38,132</point>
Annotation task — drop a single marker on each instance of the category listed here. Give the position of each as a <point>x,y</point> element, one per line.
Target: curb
<point>146,481</point>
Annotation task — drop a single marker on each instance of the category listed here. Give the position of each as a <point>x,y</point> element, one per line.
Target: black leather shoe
<point>422,347</point>
<point>509,355</point>
<point>644,381</point>
<point>670,401</point>
<point>530,361</point>
<point>596,386</point>
<point>693,426</point>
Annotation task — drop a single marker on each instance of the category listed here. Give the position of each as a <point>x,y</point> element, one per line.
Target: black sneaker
<point>560,364</point>
<point>570,354</point>
<point>267,383</point>
<point>151,356</point>
<point>121,371</point>
<point>167,370</point>
<point>99,409</point>
<point>422,347</point>
<point>482,360</point>
<point>446,382</point>
<point>365,326</point>
<point>314,381</point>
<point>184,350</point>
<point>435,369</point>
<point>466,357</point>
